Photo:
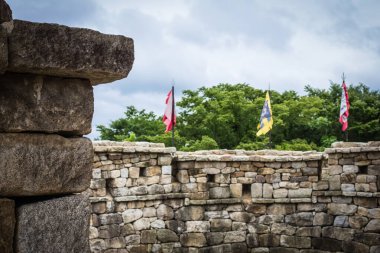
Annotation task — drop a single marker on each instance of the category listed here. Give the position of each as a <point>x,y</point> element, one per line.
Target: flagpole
<point>346,132</point>
<point>270,132</point>
<point>173,113</point>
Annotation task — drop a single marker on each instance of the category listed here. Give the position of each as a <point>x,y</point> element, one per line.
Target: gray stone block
<point>53,225</point>
<point>57,50</point>
<point>38,164</point>
<point>33,103</point>
<point>7,224</point>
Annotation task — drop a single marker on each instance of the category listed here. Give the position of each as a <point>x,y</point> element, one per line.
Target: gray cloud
<point>205,42</point>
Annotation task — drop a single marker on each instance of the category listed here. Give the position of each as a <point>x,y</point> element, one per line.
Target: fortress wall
<point>147,198</point>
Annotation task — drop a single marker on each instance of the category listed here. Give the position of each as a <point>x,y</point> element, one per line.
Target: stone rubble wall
<point>47,73</point>
<point>148,198</point>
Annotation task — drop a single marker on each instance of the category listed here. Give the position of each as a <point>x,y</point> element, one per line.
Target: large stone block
<point>7,224</point>
<point>5,12</point>
<point>3,49</point>
<point>57,50</point>
<point>38,164</point>
<point>53,225</point>
<point>33,103</point>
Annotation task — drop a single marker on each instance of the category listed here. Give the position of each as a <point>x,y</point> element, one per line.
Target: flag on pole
<point>266,119</point>
<point>344,107</point>
<point>169,118</point>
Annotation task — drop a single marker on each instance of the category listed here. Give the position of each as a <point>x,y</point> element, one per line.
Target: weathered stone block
<point>197,226</point>
<point>53,225</point>
<point>190,213</point>
<point>3,48</point>
<point>342,234</point>
<point>327,244</point>
<point>219,192</point>
<point>148,236</point>
<point>193,240</point>
<point>131,215</point>
<point>234,236</point>
<point>300,219</point>
<point>5,12</point>
<point>373,226</point>
<point>183,176</point>
<point>166,235</point>
<point>323,219</point>
<point>295,241</point>
<point>300,193</point>
<point>7,223</point>
<point>236,190</point>
<point>257,190</point>
<point>220,225</point>
<point>107,57</point>
<point>341,209</point>
<point>368,238</point>
<point>214,238</point>
<point>269,240</point>
<point>33,103</point>
<point>38,164</point>
<point>355,247</point>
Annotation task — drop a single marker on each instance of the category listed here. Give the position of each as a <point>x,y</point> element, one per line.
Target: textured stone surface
<point>5,12</point>
<point>32,103</point>
<point>38,164</point>
<point>53,225</point>
<point>57,50</point>
<point>3,49</point>
<point>7,224</point>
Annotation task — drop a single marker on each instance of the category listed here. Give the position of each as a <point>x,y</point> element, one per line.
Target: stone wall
<point>47,73</point>
<point>148,198</point>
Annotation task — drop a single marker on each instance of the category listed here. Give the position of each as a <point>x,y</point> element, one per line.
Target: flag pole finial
<point>343,77</point>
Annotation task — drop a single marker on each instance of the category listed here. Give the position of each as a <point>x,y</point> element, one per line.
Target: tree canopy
<point>226,116</point>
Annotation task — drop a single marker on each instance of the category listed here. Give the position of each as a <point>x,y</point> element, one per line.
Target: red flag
<point>169,118</point>
<point>344,108</point>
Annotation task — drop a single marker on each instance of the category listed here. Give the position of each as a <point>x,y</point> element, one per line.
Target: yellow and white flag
<point>266,119</point>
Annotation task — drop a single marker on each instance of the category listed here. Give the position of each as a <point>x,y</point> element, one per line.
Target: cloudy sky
<point>205,42</point>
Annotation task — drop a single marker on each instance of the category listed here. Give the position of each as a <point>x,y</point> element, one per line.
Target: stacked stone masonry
<point>47,73</point>
<point>148,198</point>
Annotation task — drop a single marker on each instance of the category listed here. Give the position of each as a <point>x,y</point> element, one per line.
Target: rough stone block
<point>5,12</point>
<point>236,190</point>
<point>190,213</point>
<point>214,238</point>
<point>220,225</point>
<point>7,224</point>
<point>234,236</point>
<point>219,192</point>
<point>106,58</point>
<point>373,226</point>
<point>341,209</point>
<point>53,225</point>
<point>167,235</point>
<point>355,247</point>
<point>193,240</point>
<point>323,219</point>
<point>3,48</point>
<point>38,164</point>
<point>257,190</point>
<point>295,241</point>
<point>326,244</point>
<point>33,103</point>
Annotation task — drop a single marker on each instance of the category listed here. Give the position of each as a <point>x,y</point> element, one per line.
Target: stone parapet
<point>233,201</point>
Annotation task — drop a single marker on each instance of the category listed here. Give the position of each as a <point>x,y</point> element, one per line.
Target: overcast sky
<point>205,42</point>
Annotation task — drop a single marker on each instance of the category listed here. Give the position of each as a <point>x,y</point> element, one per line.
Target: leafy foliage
<point>226,116</point>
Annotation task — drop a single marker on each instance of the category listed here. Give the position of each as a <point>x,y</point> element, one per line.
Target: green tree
<point>140,123</point>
